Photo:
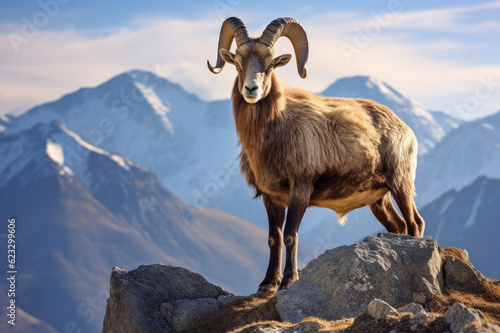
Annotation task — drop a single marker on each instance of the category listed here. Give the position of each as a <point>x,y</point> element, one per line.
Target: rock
<point>378,309</point>
<point>419,298</point>
<point>372,319</point>
<point>342,281</point>
<point>376,285</point>
<point>464,320</point>
<point>412,308</point>
<point>181,313</point>
<point>461,276</point>
<point>136,296</point>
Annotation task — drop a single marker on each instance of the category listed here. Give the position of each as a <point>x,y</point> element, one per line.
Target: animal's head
<point>254,57</point>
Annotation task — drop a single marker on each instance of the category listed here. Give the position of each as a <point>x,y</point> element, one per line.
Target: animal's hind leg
<point>419,220</point>
<point>403,195</point>
<point>385,212</point>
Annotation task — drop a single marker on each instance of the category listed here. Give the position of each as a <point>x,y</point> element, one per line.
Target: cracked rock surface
<point>375,268</point>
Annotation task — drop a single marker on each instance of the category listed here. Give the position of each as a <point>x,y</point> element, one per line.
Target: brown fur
<point>300,149</point>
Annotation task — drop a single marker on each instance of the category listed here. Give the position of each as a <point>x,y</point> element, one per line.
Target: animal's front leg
<point>300,194</point>
<point>276,216</point>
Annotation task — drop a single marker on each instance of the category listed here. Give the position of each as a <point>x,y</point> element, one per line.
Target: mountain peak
<point>364,86</point>
<point>53,149</point>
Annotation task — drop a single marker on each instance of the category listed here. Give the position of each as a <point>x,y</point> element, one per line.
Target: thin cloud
<point>58,62</point>
<point>450,19</point>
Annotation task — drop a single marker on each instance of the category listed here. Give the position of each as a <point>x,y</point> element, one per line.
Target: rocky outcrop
<point>181,313</point>
<point>460,276</point>
<point>398,269</point>
<point>381,317</point>
<point>383,283</point>
<point>150,299</point>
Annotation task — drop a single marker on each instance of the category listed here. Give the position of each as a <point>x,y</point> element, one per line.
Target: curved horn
<point>232,27</point>
<point>290,28</point>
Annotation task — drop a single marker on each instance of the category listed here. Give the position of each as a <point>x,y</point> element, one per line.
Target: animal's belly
<point>355,200</point>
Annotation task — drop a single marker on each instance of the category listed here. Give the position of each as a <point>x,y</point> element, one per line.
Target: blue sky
<point>444,54</point>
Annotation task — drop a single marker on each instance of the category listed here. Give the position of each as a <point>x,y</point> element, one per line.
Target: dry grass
<point>362,323</point>
<point>399,323</point>
<point>488,302</point>
<point>456,253</point>
<point>309,324</point>
<point>260,309</point>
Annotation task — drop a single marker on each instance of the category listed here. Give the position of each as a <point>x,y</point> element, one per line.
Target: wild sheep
<point>299,149</point>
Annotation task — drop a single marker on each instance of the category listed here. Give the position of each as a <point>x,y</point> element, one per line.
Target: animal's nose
<point>251,88</point>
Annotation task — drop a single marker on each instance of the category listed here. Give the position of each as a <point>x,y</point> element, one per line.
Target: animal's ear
<point>227,56</point>
<point>282,60</point>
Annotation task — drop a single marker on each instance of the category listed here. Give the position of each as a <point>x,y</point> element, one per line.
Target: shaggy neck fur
<point>254,120</point>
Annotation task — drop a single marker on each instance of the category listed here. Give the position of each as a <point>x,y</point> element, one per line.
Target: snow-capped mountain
<point>81,210</point>
<point>191,145</point>
<point>429,127</point>
<point>466,153</point>
<point>469,219</point>
<point>139,115</point>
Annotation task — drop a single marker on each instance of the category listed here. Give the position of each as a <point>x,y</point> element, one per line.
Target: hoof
<point>269,286</point>
<point>287,282</point>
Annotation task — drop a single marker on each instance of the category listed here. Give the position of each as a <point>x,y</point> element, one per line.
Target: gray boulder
<point>465,320</point>
<point>342,281</point>
<point>378,309</point>
<point>412,308</point>
<point>181,313</point>
<point>460,276</point>
<point>136,296</point>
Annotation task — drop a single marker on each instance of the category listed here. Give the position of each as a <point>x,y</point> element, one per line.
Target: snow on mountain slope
<point>429,127</point>
<point>146,118</point>
<point>466,153</point>
<point>3,121</point>
<point>82,210</point>
<point>468,219</point>
<point>191,145</point>
<point>446,121</point>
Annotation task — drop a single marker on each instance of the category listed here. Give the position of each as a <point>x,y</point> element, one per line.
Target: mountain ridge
<point>463,218</point>
<point>466,153</point>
